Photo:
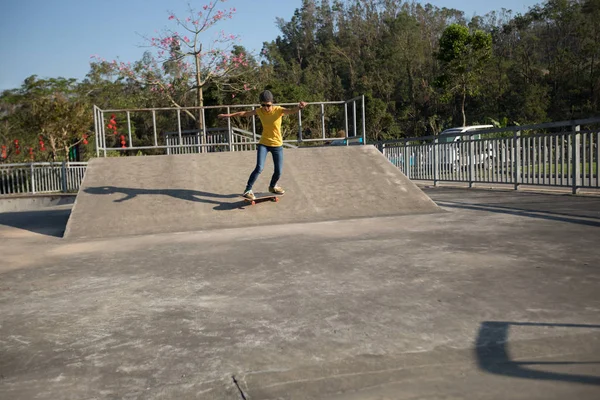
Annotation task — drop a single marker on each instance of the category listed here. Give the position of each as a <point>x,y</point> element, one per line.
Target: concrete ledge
<point>32,202</point>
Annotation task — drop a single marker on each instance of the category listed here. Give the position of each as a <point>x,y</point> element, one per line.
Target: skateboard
<point>260,199</point>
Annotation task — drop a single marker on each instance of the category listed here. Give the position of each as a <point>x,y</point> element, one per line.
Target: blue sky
<point>55,38</point>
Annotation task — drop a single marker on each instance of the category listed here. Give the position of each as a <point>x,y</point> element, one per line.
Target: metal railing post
<point>436,159</point>
<point>129,129</point>
<point>103,133</point>
<point>597,171</point>
<point>346,119</point>
<point>323,120</point>
<point>205,149</point>
<point>64,176</point>
<point>406,160</point>
<point>96,130</point>
<point>364,123</point>
<point>179,149</point>
<point>32,178</point>
<point>576,156</point>
<point>154,128</point>
<point>470,160</point>
<point>517,158</point>
<point>229,132</point>
<point>299,126</point>
<point>354,116</point>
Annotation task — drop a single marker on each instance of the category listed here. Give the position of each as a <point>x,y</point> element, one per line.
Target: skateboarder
<point>271,140</point>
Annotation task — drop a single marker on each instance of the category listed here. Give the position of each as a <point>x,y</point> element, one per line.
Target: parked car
<point>453,155</point>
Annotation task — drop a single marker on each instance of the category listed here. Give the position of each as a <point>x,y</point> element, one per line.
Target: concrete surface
<point>495,298</point>
<point>33,202</point>
<point>177,193</point>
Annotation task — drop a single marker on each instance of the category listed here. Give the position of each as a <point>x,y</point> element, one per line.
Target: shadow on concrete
<point>540,214</point>
<point>551,204</point>
<point>44,222</point>
<point>492,354</point>
<point>182,194</point>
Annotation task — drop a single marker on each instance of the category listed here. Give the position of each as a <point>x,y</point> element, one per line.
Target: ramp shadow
<point>553,207</point>
<point>181,194</point>
<point>493,356</point>
<point>44,222</point>
<point>541,214</point>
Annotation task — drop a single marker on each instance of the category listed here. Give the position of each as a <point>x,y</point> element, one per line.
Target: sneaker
<point>276,190</point>
<point>249,195</point>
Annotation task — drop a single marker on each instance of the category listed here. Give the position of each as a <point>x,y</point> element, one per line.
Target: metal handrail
<point>101,135</point>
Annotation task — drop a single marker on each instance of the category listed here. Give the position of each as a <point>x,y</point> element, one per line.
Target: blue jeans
<point>261,155</point>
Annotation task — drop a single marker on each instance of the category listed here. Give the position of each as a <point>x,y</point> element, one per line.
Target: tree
<point>40,112</point>
<point>63,123</point>
<point>184,62</point>
<point>590,43</point>
<point>463,56</point>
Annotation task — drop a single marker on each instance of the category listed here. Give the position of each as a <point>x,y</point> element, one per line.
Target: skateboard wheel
<point>253,202</point>
<point>276,199</point>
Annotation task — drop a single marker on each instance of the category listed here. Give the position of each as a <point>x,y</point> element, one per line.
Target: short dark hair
<point>266,97</point>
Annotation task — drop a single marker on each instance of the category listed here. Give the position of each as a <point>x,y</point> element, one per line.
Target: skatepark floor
<point>496,297</point>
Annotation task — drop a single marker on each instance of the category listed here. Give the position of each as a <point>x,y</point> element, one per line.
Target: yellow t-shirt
<point>271,122</point>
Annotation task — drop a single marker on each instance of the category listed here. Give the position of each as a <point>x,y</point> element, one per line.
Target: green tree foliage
<point>43,112</point>
<point>464,56</point>
<point>61,122</point>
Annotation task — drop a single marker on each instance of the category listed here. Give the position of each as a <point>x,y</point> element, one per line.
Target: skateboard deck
<point>260,199</point>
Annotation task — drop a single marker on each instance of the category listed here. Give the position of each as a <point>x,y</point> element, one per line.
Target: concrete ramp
<point>180,193</point>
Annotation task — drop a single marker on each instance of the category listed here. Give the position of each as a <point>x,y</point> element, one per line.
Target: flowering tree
<point>44,119</point>
<point>61,122</point>
<point>184,64</point>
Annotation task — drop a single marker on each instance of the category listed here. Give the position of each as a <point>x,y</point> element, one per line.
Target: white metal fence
<point>563,154</point>
<point>217,140</point>
<point>346,116</point>
<point>41,177</point>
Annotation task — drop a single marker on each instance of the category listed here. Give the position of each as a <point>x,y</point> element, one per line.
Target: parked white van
<point>454,153</point>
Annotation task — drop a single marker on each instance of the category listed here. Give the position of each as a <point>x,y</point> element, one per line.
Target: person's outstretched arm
<point>238,114</point>
<point>300,106</point>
